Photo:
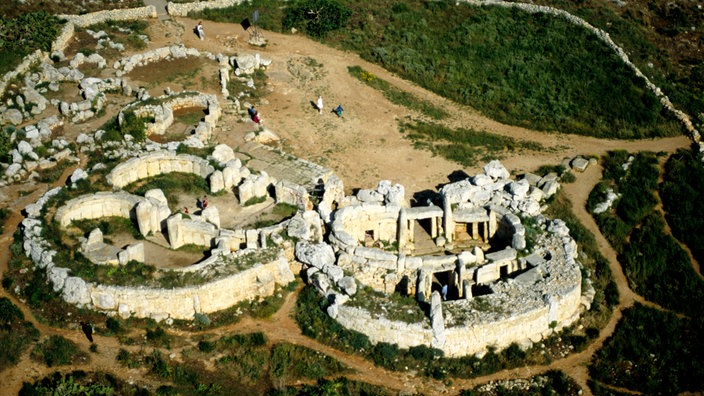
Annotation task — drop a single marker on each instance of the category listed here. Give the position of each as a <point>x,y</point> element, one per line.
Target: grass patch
<point>397,96</point>
<point>552,382</point>
<point>290,361</point>
<point>656,266</point>
<point>57,351</point>
<point>652,351</point>
<point>394,307</point>
<point>681,192</point>
<point>532,70</point>
<point>172,185</point>
<point>80,383</point>
<point>16,334</point>
<point>463,146</point>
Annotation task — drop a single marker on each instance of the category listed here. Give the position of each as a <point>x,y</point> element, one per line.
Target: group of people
<point>200,204</point>
<point>319,104</point>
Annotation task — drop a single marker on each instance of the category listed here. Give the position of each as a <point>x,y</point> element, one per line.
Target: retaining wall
<point>124,14</point>
<point>182,9</point>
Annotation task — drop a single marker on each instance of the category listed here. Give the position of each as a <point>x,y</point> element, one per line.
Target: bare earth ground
<point>362,148</point>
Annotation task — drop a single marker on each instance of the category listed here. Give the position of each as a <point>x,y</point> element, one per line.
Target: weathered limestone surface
<point>157,163</point>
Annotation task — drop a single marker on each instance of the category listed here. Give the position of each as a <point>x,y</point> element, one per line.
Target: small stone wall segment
<point>98,205</point>
<point>125,14</point>
<point>158,163</point>
<point>182,9</point>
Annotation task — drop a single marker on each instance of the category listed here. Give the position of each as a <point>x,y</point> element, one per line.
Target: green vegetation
<point>681,193</point>
<point>316,17</point>
<point>80,383</point>
<point>656,266</point>
<point>532,70</point>
<point>6,144</point>
<point>125,32</point>
<point>595,266</point>
<point>654,35</point>
<point>254,201</point>
<point>16,334</point>
<point>4,215</point>
<point>131,125</point>
<point>112,225</point>
<point>395,307</point>
<point>172,185</point>
<point>23,35</point>
<point>398,96</point>
<point>57,351</point>
<point>290,361</point>
<point>551,383</point>
<point>464,146</point>
<point>654,352</point>
<point>332,387</point>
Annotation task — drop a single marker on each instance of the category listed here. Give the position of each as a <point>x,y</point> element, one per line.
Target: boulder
<point>496,170</point>
<point>315,254</point>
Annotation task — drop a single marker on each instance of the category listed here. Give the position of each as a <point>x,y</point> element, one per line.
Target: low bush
<point>16,334</point>
<point>290,361</point>
<point>57,351</point>
<point>653,352</point>
<point>681,192</point>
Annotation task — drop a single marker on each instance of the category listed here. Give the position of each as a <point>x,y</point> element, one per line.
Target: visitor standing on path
<point>200,31</point>
<point>320,104</point>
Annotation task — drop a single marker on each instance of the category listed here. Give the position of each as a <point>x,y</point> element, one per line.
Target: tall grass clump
<point>25,34</point>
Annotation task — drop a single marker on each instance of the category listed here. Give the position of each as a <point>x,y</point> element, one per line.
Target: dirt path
<point>362,148</point>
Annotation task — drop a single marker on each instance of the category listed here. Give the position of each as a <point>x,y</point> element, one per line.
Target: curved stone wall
<point>158,163</point>
<point>95,206</point>
<point>519,312</point>
<point>178,303</point>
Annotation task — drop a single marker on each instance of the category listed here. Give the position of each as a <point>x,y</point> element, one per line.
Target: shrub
<point>316,17</point>
<point>56,351</point>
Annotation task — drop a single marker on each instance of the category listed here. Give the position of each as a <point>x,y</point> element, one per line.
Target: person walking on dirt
<point>204,202</point>
<point>320,104</point>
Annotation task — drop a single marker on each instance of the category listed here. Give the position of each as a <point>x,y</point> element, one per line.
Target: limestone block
<point>298,228</point>
<point>76,291</point>
<point>437,321</point>
<point>317,255</point>
<point>334,272</point>
<point>246,191</point>
<point>124,311</point>
<point>104,301</point>
<point>579,164</point>
<point>211,215</point>
<point>252,237</point>
<point>231,176</point>
<point>496,170</point>
<point>366,195</point>
<point>223,153</point>
<point>145,210</point>
<point>95,239</point>
<point>348,285</point>
<point>157,195</point>
<point>217,182</point>
<point>321,282</point>
<point>57,276</point>
<point>487,274</point>
<point>519,189</point>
